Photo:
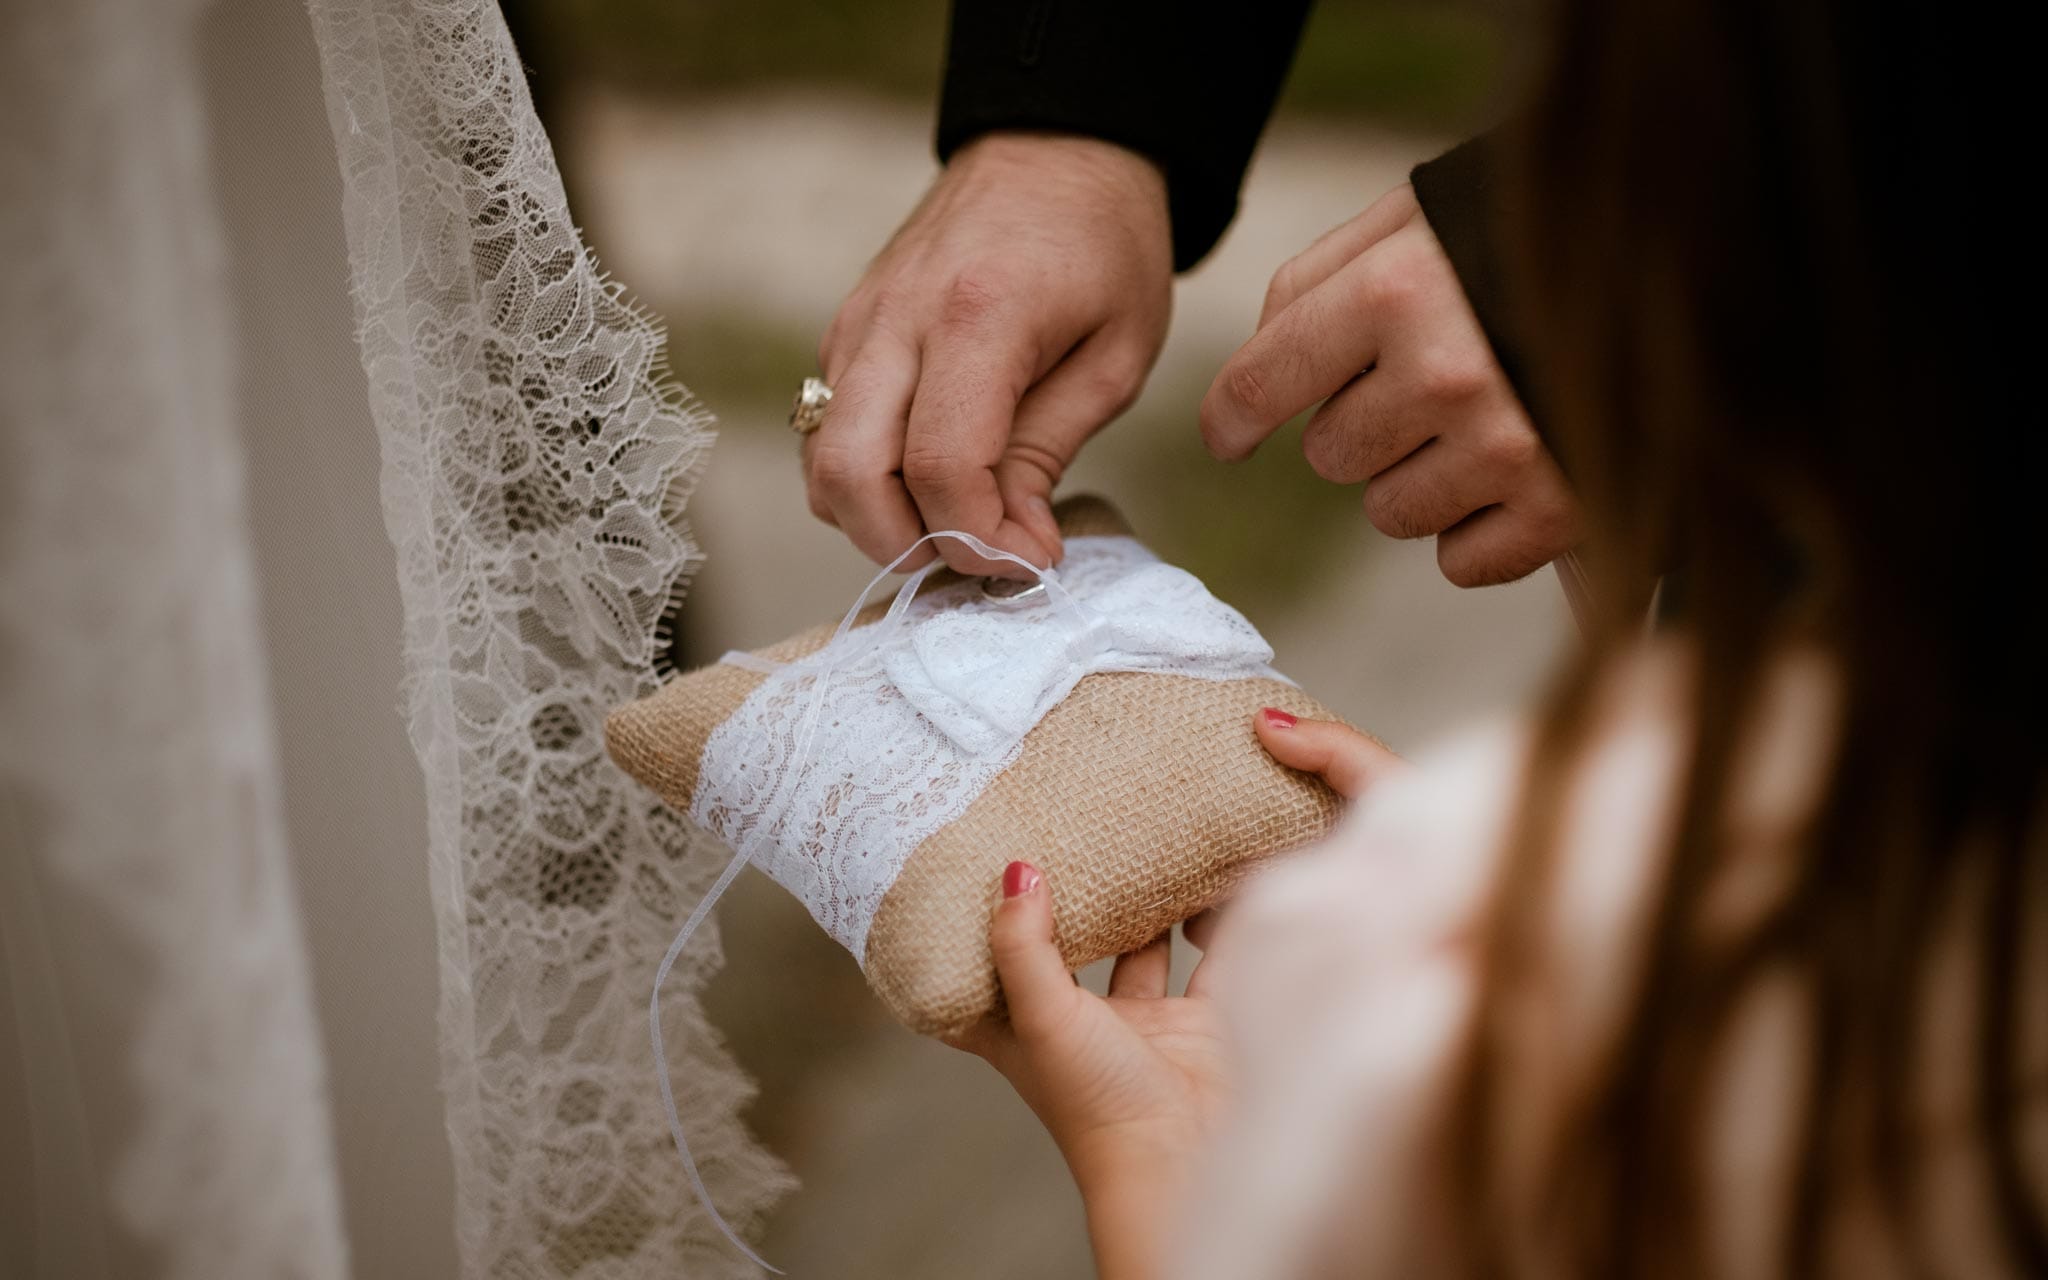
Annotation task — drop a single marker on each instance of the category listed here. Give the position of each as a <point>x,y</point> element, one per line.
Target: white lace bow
<point>840,764</point>
<point>985,676</point>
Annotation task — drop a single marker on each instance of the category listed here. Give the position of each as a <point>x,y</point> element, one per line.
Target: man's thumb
<point>1027,499</point>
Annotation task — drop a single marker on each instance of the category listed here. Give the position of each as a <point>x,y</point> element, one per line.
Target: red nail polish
<point>1279,719</point>
<point>1019,878</point>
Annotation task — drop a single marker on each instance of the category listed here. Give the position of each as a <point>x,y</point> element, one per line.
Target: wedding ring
<point>808,413</point>
<point>1011,588</point>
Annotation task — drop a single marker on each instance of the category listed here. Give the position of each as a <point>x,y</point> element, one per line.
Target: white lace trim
<point>920,714</point>
<point>536,456</point>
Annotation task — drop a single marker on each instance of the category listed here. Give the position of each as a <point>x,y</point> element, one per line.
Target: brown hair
<point>1758,266</point>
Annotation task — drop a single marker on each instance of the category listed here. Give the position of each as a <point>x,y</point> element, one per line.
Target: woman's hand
<point>1128,1084</point>
<point>1125,1084</point>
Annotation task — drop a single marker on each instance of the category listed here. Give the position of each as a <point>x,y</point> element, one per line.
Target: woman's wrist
<point>1127,1221</point>
<point>1131,1196</point>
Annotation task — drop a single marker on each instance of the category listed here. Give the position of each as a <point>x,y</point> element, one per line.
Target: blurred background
<point>736,163</point>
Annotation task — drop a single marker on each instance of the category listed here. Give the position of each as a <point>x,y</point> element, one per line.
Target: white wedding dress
<point>325,929</point>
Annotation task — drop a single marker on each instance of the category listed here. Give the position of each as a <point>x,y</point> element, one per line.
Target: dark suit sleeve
<point>1465,198</point>
<point>1189,85</point>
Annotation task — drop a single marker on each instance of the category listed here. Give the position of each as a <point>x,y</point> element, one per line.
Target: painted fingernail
<point>1279,719</point>
<point>1019,878</point>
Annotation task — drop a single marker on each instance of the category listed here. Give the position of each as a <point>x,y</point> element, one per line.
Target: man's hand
<point>1371,320</point>
<point>1016,312</point>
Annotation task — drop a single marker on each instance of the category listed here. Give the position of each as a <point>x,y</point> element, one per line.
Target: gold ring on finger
<point>808,413</point>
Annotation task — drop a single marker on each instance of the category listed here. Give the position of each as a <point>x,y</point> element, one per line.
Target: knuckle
<point>1466,564</point>
<point>1330,451</point>
<point>1555,526</point>
<point>1452,378</point>
<point>971,297</point>
<point>1516,449</point>
<point>1319,448</point>
<point>929,470</point>
<point>1115,387</point>
<point>1415,509</point>
<point>833,469</point>
<point>1505,554</point>
<point>1008,942</point>
<point>1130,362</point>
<point>1245,383</point>
<point>1462,570</point>
<point>1393,289</point>
<point>1385,508</point>
<point>891,301</point>
<point>1047,462</point>
<point>1283,287</point>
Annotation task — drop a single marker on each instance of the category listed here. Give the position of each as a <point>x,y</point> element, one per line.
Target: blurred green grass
<point>1421,65</point>
<point>1407,63</point>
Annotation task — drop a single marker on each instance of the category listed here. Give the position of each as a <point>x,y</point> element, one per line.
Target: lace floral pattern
<point>536,458</point>
<point>919,715</point>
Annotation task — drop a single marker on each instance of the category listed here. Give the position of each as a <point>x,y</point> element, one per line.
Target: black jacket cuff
<point>1174,83</point>
<point>1464,194</point>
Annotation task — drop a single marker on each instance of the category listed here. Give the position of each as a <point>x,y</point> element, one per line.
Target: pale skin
<point>1018,309</point>
<point>1129,1084</point>
<point>1431,425</point>
<point>1022,304</point>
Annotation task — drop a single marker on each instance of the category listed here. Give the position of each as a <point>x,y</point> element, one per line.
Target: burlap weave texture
<point>1144,798</point>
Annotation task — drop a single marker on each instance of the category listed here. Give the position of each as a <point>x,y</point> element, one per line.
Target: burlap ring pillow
<point>956,739</point>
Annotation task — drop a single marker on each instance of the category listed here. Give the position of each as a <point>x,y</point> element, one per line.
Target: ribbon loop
<point>985,676</point>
